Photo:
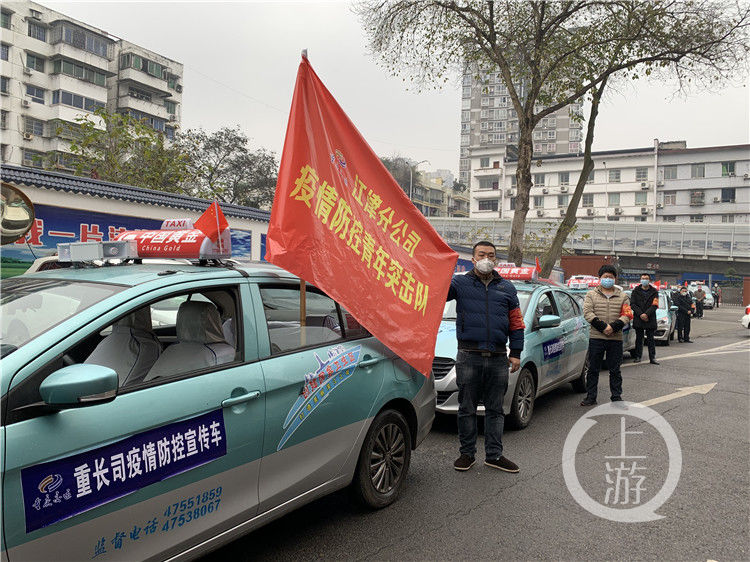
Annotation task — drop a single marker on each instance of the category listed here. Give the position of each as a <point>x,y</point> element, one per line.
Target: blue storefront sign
<point>55,225</point>
<point>63,488</point>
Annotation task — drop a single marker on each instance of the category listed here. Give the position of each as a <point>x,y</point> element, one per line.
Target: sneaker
<point>654,362</point>
<point>616,399</point>
<point>464,462</point>
<point>502,464</point>
<point>588,402</point>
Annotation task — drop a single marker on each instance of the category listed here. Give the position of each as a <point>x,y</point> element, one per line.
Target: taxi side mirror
<point>549,321</point>
<point>673,307</point>
<point>79,385</point>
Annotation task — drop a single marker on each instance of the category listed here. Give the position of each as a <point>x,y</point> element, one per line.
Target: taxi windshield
<point>449,312</point>
<point>29,307</point>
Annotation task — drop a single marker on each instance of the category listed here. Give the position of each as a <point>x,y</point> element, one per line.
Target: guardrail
<point>704,241</point>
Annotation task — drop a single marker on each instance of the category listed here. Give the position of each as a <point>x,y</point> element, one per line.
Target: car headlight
<point>662,321</point>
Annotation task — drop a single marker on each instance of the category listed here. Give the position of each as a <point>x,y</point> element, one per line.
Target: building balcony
<point>141,78</point>
<point>488,172</point>
<point>149,107</point>
<point>80,55</point>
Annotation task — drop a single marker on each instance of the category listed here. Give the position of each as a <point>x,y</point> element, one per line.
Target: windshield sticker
<point>69,486</point>
<point>319,384</point>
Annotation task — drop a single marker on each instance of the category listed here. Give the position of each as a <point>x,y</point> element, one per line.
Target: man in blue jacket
<point>488,319</point>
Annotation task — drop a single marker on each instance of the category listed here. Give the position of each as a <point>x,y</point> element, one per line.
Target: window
<point>614,200</point>
<point>574,147</point>
<point>513,181</point>
<point>62,66</point>
<point>590,179</point>
<point>4,84</point>
<point>37,63</point>
<point>169,132</point>
<point>4,51</point>
<point>80,38</point>
<point>466,92</point>
<point>562,200</point>
<point>466,104</point>
<point>544,307</point>
<point>3,119</point>
<point>539,180</point>
<point>698,171</point>
<point>484,162</point>
<point>139,94</point>
<point>36,94</point>
<point>32,158</point>
<point>488,183</point>
<point>464,140</point>
<point>465,114</point>
<point>568,309</point>
<point>282,309</point>
<point>613,218</point>
<point>587,200</point>
<point>512,201</point>
<point>727,218</point>
<point>641,198</point>
<point>671,218</point>
<point>614,176</point>
<point>696,218</point>
<point>6,20</point>
<point>641,174</point>
<point>550,147</point>
<point>490,205</point>
<point>728,195</point>
<point>727,168</point>
<point>539,201</point>
<point>670,198</point>
<point>37,31</point>
<point>34,126</point>
<point>74,100</point>
<point>564,178</point>
<point>697,198</point>
<point>670,172</point>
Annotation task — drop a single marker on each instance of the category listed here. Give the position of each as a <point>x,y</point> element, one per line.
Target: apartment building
<point>665,182</point>
<point>489,129</point>
<point>438,197</point>
<point>54,69</point>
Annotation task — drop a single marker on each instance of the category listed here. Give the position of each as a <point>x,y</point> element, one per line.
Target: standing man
<point>684,303</point>
<point>717,294</point>
<point>644,301</point>
<point>608,310</point>
<point>488,318</point>
<point>700,296</point>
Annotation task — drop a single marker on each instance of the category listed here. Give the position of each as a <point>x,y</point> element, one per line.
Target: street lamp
<point>410,175</point>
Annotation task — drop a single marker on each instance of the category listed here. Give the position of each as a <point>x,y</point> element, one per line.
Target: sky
<point>241,61</point>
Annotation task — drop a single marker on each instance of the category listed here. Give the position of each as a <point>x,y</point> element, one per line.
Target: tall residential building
<point>55,68</point>
<point>489,131</point>
<point>439,197</point>
<point>666,182</point>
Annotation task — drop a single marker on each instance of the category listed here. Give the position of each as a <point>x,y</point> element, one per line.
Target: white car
<point>745,321</point>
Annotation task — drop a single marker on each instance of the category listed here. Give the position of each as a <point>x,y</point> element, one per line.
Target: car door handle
<point>240,399</point>
<point>370,361</point>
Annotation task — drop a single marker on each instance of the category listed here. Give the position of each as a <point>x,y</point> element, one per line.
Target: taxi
<point>555,348</point>
<point>158,411</point>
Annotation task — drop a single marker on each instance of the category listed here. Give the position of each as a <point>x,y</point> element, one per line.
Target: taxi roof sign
<point>513,272</point>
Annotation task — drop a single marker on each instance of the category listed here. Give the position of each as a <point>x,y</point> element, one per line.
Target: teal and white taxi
<point>555,349</point>
<point>159,411</point>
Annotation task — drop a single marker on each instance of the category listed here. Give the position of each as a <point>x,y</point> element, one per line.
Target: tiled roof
<point>63,182</point>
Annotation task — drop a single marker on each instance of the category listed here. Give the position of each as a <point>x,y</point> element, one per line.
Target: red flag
<point>538,267</point>
<point>212,222</point>
<point>341,222</point>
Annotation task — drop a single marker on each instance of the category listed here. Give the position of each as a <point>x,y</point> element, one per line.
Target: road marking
<point>695,353</point>
<point>700,389</point>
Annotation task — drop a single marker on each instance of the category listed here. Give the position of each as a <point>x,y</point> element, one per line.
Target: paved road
<point>487,514</point>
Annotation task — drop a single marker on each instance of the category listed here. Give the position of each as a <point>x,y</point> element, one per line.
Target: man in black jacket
<point>684,303</point>
<point>644,301</point>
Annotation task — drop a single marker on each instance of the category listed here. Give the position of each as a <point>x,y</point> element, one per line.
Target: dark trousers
<point>683,326</point>
<point>485,379</point>
<point>649,342</point>
<point>699,309</point>
<point>597,350</point>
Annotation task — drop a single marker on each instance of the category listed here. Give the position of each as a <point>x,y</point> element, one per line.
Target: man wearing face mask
<point>490,328</point>
<point>608,310</point>
<point>684,303</point>
<point>645,300</point>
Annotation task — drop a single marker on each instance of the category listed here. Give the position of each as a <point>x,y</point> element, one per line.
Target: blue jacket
<point>487,316</point>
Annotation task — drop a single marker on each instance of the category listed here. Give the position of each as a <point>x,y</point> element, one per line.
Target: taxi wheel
<point>522,406</point>
<point>579,384</point>
<point>383,460</point>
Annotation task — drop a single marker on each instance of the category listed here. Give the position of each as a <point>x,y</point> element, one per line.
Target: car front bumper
<point>447,394</point>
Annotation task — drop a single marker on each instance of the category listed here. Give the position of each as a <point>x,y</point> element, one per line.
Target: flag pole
<point>302,312</point>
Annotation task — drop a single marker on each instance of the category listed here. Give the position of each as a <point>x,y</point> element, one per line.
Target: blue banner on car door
<point>60,489</point>
<point>553,348</point>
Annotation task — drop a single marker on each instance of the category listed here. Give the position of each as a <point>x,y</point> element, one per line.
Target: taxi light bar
<point>90,251</point>
<point>510,271</point>
<point>183,243</point>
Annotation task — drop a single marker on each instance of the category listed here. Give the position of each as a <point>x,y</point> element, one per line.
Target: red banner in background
<point>341,222</point>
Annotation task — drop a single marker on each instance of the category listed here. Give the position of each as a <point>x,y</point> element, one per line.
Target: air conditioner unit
<point>36,14</point>
<point>618,210</point>
<point>178,88</point>
<point>28,163</point>
<point>644,185</point>
<point>563,189</point>
<point>28,136</point>
<point>27,70</point>
<point>660,183</point>
<point>509,193</point>
<point>562,212</point>
<point>717,199</point>
<point>731,174</point>
<point>659,205</point>
<point>545,190</point>
<point>644,210</point>
<point>173,118</point>
<point>590,212</point>
<point>25,103</point>
<point>746,176</point>
<point>539,213</point>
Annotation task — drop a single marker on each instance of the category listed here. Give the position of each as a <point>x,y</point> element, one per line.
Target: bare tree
<point>550,54</point>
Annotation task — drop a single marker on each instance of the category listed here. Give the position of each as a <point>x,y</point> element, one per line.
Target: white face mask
<point>485,266</point>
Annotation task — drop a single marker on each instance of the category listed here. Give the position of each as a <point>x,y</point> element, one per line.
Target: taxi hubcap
<point>525,397</point>
<point>387,458</point>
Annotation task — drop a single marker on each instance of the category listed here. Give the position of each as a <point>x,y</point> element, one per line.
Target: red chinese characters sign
<point>342,223</point>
